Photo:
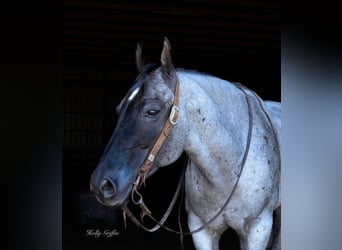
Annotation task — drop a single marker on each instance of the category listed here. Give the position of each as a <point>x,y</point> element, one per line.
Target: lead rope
<point>146,211</point>
<point>179,212</point>
<point>160,223</point>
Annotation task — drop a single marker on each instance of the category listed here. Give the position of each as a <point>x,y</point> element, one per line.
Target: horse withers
<point>232,139</point>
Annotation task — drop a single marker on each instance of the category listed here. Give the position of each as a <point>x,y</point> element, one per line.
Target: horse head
<point>142,114</point>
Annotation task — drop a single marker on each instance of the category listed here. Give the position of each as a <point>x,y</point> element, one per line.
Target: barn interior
<point>234,40</point>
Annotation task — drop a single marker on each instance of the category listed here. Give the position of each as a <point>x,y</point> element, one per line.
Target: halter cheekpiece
<point>171,121</point>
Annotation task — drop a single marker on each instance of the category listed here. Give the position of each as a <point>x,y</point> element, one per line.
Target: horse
<point>230,135</point>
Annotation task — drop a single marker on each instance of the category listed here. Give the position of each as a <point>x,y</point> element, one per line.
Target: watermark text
<point>108,233</point>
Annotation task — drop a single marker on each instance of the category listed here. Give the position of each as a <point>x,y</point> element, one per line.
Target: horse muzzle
<point>106,190</point>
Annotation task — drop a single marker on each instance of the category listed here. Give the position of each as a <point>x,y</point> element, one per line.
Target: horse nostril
<point>107,188</point>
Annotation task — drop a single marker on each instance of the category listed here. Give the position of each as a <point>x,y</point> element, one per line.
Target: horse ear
<point>139,58</point>
<point>165,58</point>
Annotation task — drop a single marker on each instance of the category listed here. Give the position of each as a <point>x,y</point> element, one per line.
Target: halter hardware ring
<point>174,115</point>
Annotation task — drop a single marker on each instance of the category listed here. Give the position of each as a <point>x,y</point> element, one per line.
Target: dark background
<point>234,40</point>
<point>31,119</point>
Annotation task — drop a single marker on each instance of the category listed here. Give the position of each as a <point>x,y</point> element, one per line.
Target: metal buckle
<point>173,117</point>
<point>151,157</point>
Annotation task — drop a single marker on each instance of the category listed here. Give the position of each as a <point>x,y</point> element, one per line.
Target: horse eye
<point>152,112</point>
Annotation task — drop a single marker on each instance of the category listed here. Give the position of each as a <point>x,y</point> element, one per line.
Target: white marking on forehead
<point>134,93</point>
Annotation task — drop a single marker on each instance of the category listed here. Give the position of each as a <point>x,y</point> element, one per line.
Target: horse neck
<point>216,112</point>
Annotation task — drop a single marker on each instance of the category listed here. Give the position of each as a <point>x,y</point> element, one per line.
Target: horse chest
<point>202,198</point>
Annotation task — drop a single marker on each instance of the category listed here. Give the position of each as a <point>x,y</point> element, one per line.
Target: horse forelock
<point>137,85</point>
<point>154,84</point>
<point>146,70</point>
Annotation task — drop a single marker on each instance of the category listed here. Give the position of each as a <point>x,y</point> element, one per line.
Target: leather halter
<point>147,165</point>
<point>171,121</point>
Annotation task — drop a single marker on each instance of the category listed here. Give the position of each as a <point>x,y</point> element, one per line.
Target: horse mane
<point>216,87</point>
<point>199,76</point>
<point>147,69</point>
<point>194,72</point>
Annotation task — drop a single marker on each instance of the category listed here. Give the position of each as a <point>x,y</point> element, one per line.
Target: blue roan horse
<point>230,135</point>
